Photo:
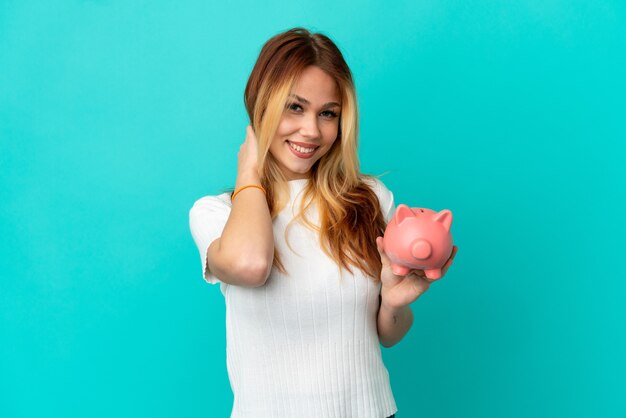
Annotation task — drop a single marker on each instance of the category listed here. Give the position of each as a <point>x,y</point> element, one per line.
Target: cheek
<point>286,127</point>
<point>330,131</point>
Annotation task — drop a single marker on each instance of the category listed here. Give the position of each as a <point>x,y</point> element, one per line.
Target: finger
<point>251,133</point>
<point>418,273</point>
<point>423,282</point>
<point>379,246</point>
<point>449,262</point>
<point>381,250</point>
<point>445,267</point>
<point>422,276</point>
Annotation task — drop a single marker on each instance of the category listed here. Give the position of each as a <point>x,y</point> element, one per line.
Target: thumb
<point>381,251</point>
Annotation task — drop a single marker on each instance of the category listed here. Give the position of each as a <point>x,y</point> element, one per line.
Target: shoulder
<point>385,196</point>
<point>212,203</point>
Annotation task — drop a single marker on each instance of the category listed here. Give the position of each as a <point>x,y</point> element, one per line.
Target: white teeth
<point>301,149</point>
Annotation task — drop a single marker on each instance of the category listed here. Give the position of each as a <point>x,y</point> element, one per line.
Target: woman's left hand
<point>398,291</point>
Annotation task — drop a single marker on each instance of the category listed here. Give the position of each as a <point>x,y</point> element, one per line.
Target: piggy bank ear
<point>403,212</point>
<point>445,217</point>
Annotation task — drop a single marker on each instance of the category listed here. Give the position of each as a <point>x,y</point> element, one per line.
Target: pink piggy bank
<point>418,238</point>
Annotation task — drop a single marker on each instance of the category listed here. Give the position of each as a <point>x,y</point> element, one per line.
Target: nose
<point>421,249</point>
<point>309,127</point>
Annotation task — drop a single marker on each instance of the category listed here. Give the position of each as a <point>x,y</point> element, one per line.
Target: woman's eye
<point>329,114</point>
<point>294,106</point>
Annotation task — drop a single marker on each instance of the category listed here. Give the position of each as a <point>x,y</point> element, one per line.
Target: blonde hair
<point>349,210</point>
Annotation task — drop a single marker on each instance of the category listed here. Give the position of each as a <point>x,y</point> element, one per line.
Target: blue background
<point>115,116</point>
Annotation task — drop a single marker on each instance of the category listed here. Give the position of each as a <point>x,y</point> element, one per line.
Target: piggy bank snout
<point>421,249</point>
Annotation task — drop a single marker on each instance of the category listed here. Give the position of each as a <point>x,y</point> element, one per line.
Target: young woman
<point>309,293</point>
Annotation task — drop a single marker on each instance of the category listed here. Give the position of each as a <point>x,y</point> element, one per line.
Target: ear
<point>445,217</point>
<point>402,212</point>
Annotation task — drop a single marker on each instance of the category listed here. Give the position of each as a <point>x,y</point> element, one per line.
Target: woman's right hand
<point>248,154</point>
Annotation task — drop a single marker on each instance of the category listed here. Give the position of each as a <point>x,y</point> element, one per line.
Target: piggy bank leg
<point>433,274</point>
<point>399,270</point>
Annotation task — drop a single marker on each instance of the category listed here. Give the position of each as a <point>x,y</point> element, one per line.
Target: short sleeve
<point>385,197</point>
<point>207,218</point>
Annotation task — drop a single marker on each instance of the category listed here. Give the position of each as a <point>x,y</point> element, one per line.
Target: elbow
<point>256,274</point>
<point>386,344</point>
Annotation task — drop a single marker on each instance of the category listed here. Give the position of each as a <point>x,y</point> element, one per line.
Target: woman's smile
<point>300,151</point>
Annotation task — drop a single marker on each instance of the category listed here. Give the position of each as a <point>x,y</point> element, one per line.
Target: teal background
<point>115,116</point>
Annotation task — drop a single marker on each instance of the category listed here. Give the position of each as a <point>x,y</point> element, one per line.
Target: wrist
<point>384,306</point>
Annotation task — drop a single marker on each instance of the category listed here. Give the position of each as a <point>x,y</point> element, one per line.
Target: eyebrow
<point>305,101</point>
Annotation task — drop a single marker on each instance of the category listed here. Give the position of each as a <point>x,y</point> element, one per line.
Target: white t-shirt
<point>304,344</point>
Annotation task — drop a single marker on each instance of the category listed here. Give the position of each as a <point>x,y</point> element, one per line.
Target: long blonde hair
<point>349,210</point>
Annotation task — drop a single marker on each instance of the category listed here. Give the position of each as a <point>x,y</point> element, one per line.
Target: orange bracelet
<point>245,187</point>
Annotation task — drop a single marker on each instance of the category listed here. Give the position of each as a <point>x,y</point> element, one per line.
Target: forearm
<point>248,236</point>
<point>393,323</point>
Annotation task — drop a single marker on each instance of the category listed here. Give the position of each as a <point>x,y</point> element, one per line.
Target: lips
<point>304,144</point>
<point>300,154</point>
